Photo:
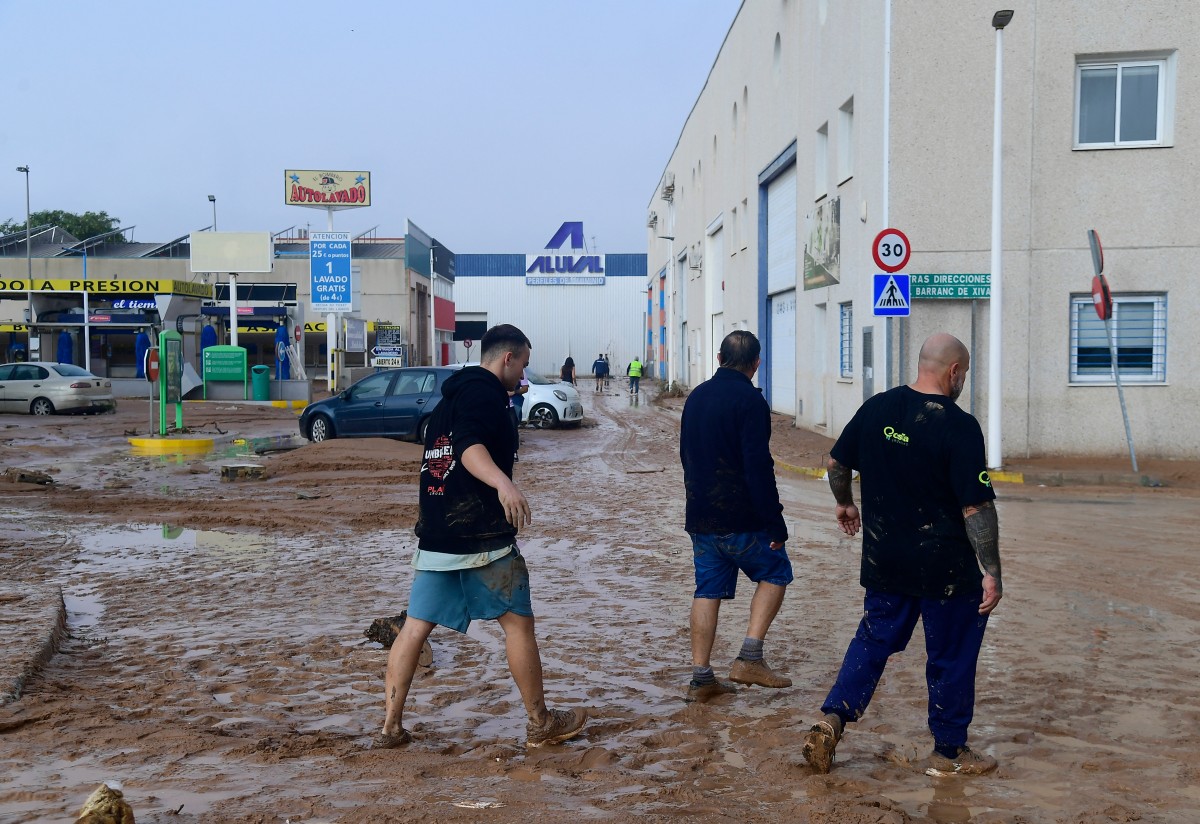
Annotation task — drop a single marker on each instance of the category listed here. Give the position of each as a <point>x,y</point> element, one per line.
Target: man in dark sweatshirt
<point>468,566</point>
<point>733,514</point>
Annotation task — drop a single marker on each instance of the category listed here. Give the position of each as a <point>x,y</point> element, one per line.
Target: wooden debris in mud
<point>241,472</point>
<point>105,806</point>
<point>26,476</point>
<point>384,631</point>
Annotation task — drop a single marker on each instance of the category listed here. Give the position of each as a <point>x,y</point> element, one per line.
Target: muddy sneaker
<point>821,741</point>
<point>558,726</point>
<point>757,672</point>
<point>701,693</point>
<point>967,762</point>
<point>389,741</point>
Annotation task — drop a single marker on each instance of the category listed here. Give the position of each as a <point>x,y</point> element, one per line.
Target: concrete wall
<point>932,179</point>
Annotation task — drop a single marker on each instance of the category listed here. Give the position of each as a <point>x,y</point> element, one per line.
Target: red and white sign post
<point>891,250</point>
<point>1102,298</point>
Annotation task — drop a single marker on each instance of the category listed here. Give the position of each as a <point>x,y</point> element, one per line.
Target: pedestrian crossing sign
<point>892,296</point>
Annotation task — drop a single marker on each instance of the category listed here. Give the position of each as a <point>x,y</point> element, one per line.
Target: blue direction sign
<point>329,271</point>
<point>892,296</point>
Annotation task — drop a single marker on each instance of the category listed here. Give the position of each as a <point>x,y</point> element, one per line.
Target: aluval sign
<point>560,270</point>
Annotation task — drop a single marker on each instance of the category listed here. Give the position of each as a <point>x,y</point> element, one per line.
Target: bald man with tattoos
<point>930,551</point>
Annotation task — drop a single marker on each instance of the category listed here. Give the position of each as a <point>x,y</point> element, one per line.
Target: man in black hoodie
<point>468,566</point>
<point>733,515</point>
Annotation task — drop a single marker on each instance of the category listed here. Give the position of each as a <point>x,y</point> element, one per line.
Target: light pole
<point>28,266</point>
<point>995,337</point>
<point>87,311</point>
<point>213,200</point>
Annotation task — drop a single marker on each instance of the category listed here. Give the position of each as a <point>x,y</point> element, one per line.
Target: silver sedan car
<point>43,388</point>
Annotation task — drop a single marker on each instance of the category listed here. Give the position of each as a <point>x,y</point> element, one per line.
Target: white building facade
<point>823,123</point>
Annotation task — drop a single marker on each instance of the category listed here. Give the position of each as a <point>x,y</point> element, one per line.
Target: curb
<point>39,628</point>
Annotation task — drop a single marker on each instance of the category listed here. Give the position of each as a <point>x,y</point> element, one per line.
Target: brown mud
<point>216,666</point>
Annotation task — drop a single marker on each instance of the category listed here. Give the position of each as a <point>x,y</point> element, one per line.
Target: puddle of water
<point>144,548</point>
<point>84,607</point>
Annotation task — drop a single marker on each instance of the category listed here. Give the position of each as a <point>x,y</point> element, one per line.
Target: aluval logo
<point>566,264</point>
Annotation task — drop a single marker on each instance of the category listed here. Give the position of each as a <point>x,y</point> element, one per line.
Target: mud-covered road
<point>216,665</point>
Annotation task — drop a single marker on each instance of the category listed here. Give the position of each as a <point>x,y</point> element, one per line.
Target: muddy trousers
<point>953,635</point>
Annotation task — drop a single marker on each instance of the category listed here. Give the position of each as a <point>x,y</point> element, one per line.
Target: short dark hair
<point>740,349</point>
<point>501,338</point>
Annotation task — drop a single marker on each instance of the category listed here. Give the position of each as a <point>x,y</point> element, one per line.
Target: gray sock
<point>752,649</point>
<point>703,675</point>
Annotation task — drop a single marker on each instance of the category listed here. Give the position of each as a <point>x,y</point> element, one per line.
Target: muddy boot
<point>559,725</point>
<point>821,741</point>
<point>757,672</point>
<point>967,762</point>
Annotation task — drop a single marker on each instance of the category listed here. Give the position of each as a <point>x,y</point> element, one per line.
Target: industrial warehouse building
<point>570,301</point>
<point>823,123</point>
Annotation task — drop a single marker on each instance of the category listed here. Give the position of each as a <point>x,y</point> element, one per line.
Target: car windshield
<point>70,370</point>
<point>541,379</point>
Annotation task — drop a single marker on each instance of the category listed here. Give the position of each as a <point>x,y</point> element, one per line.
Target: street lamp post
<point>995,323</point>
<point>213,200</point>
<point>28,266</point>
<point>87,312</point>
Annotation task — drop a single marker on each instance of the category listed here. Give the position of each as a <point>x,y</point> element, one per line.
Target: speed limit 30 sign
<point>891,250</point>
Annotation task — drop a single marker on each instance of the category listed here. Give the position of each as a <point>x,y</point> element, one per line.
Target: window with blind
<point>1139,335</point>
<point>846,342</point>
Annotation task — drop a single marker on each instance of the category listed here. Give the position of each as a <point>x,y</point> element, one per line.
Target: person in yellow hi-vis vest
<point>634,371</point>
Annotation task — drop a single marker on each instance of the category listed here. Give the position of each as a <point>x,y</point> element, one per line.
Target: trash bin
<point>260,383</point>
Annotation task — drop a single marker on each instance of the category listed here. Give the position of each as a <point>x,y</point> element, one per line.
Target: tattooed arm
<point>983,531</point>
<point>846,512</point>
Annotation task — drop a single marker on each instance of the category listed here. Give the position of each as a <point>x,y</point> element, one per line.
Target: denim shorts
<point>456,597</point>
<point>719,557</point>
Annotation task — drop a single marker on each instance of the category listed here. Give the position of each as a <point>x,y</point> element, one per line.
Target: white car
<point>549,403</point>
<point>43,388</point>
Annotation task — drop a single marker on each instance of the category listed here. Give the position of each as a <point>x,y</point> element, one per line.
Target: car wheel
<point>422,431</point>
<point>41,406</point>
<point>543,416</point>
<point>321,429</point>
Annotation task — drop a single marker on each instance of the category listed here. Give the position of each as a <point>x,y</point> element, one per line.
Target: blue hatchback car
<point>393,403</point>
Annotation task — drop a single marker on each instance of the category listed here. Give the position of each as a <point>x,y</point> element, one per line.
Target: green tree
<point>84,226</point>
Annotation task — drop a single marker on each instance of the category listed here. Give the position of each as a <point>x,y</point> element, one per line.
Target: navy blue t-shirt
<point>920,460</point>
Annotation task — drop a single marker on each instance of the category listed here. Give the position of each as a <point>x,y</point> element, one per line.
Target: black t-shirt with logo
<point>920,460</point>
<point>460,514</point>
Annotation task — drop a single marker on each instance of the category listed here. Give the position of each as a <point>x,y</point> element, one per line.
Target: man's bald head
<point>941,350</point>
<point>943,362</point>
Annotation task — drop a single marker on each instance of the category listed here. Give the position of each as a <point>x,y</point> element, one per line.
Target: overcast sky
<point>486,122</point>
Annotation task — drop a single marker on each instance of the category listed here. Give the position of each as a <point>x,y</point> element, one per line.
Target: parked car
<point>550,402</point>
<point>43,388</point>
<point>393,403</point>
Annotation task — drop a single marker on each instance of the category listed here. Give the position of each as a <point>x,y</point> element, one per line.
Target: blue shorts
<point>455,598</point>
<point>719,557</point>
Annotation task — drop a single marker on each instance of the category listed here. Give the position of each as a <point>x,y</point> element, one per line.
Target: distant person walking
<point>733,514</point>
<point>929,525</point>
<point>600,371</point>
<point>635,375</point>
<point>468,566</point>
<point>567,373</point>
